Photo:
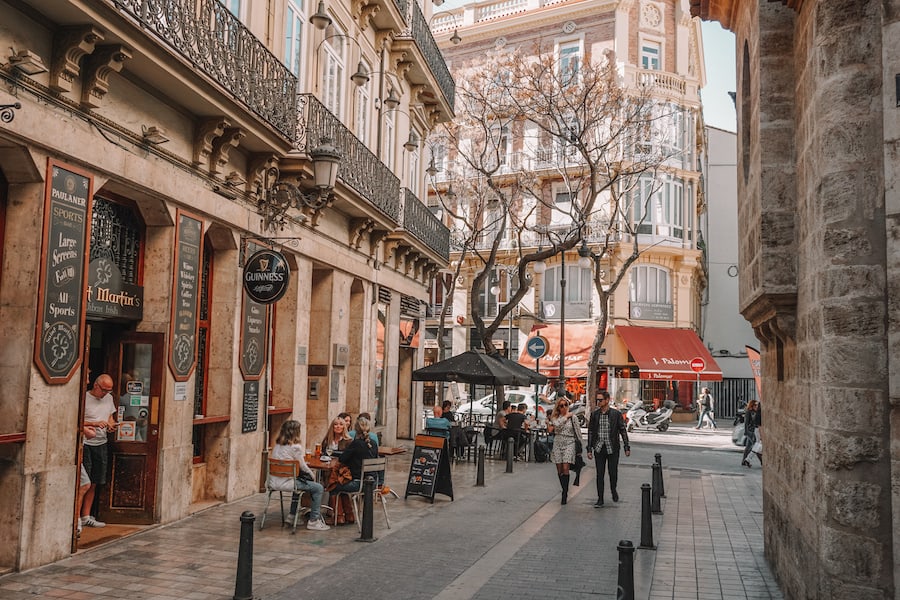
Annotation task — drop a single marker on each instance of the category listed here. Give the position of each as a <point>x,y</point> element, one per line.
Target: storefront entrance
<point>135,361</point>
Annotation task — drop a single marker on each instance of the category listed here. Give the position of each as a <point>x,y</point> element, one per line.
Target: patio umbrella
<point>479,368</point>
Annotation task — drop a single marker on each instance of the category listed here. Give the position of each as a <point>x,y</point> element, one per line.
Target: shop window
<point>117,236</point>
<point>201,374</point>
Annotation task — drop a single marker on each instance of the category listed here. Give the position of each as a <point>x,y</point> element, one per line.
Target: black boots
<point>564,483</point>
<point>578,477</point>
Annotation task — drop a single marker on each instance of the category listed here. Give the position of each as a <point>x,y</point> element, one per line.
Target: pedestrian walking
<point>707,406</point>
<point>752,422</point>
<point>605,428</point>
<point>566,434</point>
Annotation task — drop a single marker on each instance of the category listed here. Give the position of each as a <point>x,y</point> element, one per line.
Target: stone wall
<point>814,259</point>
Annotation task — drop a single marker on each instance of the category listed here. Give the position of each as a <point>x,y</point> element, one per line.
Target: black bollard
<point>655,508</point>
<point>626,570</point>
<point>646,522</point>
<point>368,512</point>
<point>479,474</point>
<point>662,485</point>
<point>243,583</point>
<point>510,452</point>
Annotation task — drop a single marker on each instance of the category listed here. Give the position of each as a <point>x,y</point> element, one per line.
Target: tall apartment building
<point>149,149</point>
<point>655,314</point>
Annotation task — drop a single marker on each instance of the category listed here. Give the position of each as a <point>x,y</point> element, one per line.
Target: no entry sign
<point>697,364</point>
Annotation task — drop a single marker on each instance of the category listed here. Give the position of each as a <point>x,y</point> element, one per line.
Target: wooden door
<point>137,366</point>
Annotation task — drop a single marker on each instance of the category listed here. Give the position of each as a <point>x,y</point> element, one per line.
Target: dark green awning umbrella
<point>479,368</point>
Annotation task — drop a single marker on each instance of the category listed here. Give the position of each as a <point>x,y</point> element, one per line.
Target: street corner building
<point>218,205</point>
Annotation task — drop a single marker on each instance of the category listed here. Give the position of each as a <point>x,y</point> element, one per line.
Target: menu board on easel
<point>429,471</point>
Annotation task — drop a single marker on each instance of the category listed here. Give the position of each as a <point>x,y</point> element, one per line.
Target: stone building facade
<point>148,149</point>
<point>818,211</point>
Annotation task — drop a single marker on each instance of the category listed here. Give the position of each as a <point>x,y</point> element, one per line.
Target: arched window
<point>650,293</point>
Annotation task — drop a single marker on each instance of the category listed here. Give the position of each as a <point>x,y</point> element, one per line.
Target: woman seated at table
<point>337,439</point>
<point>288,447</point>
<point>361,448</point>
<point>372,435</point>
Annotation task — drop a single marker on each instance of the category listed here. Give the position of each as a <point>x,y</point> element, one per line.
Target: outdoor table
<point>388,451</point>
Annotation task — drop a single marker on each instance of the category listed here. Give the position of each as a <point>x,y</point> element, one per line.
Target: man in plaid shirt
<point>605,427</point>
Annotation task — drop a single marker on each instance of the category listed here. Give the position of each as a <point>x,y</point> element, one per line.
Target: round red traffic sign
<point>697,364</point>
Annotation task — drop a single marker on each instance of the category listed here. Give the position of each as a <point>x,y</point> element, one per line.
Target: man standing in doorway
<point>99,413</point>
<point>604,429</point>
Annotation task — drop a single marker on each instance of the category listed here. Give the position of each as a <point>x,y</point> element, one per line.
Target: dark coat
<point>616,429</point>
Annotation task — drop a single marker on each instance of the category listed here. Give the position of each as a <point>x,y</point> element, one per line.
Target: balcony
<point>670,86</point>
<point>215,42</point>
<point>416,47</point>
<point>359,170</point>
<point>419,221</point>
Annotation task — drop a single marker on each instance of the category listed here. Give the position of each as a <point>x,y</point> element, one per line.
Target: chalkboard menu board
<point>250,412</point>
<point>429,471</point>
<point>67,215</point>
<point>186,290</point>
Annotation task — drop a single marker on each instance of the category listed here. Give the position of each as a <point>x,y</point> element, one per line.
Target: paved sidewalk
<point>510,539</point>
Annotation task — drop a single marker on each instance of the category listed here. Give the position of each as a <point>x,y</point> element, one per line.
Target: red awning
<point>666,354</point>
<point>579,338</point>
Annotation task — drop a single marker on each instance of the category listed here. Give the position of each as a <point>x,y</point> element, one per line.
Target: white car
<point>483,408</point>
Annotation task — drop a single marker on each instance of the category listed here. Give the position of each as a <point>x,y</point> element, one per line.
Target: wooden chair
<point>288,469</point>
<point>374,467</point>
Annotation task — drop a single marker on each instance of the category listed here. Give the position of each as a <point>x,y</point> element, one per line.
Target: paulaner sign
<point>266,276</point>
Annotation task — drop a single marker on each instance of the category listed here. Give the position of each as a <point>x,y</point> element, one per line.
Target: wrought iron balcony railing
<point>425,41</point>
<point>360,169</point>
<point>206,34</point>
<point>421,223</point>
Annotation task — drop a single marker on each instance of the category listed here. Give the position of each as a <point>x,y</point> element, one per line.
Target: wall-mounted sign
<point>185,295</point>
<point>60,326</point>
<point>253,339</point>
<point>108,296</point>
<point>650,311</point>
<point>266,276</point>
<point>250,407</point>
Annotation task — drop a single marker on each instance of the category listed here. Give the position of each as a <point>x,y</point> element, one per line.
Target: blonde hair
<point>329,435</point>
<point>289,433</point>
<point>555,413</point>
<point>362,427</point>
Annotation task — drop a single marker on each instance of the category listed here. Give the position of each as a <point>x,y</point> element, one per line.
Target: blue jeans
<point>706,412</point>
<point>352,486</point>
<point>315,491</point>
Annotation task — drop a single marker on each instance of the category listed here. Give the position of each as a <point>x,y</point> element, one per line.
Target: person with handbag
<point>604,430</point>
<point>361,448</point>
<point>567,434</point>
<point>752,422</point>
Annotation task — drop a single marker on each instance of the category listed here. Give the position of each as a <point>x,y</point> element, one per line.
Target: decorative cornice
<point>221,146</point>
<point>256,171</point>
<point>97,68</point>
<point>69,45</point>
<point>208,130</point>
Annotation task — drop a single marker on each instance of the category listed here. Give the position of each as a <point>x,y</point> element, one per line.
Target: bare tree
<point>528,121</point>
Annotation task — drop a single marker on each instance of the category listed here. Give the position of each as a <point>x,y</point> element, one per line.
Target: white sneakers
<point>317,525</point>
<point>90,521</point>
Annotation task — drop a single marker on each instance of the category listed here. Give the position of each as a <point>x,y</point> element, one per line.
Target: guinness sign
<point>266,276</point>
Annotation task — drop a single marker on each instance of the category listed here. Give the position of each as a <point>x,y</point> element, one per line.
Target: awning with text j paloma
<point>666,354</point>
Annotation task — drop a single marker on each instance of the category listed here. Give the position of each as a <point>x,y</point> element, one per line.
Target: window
<point>488,302</point>
<point>579,285</point>
<point>415,174</point>
<point>390,138</point>
<point>363,108</point>
<point>649,284</point>
<point>650,56</point>
<point>293,37</point>
<point>657,206</point>
<point>333,75</point>
<point>201,385</point>
<point>561,214</point>
<point>569,61</point>
<point>234,6</point>
<point>499,146</point>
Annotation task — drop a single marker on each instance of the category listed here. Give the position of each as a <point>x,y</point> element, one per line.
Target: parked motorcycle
<point>638,417</point>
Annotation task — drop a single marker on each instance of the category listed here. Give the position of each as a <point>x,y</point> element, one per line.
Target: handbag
<point>578,447</point>
<point>338,477</point>
<point>757,446</point>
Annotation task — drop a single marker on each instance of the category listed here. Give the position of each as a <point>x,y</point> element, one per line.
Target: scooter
<point>659,419</point>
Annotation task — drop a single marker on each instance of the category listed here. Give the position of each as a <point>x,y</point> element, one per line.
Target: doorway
<point>135,361</point>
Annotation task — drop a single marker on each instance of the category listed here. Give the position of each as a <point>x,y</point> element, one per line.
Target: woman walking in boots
<point>565,430</point>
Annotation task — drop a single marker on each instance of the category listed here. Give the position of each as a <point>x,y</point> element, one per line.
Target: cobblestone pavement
<point>509,539</point>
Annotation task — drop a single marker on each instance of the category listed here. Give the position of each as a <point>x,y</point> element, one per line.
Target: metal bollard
<point>243,582</point>
<point>662,485</point>
<point>626,570</point>
<point>655,508</point>
<point>510,452</point>
<point>368,512</point>
<point>646,522</point>
<point>479,476</point>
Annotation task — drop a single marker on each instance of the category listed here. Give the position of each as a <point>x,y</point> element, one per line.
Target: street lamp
<point>495,290</point>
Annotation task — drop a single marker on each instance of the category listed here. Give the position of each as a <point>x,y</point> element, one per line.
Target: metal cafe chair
<point>374,467</point>
<point>289,470</point>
